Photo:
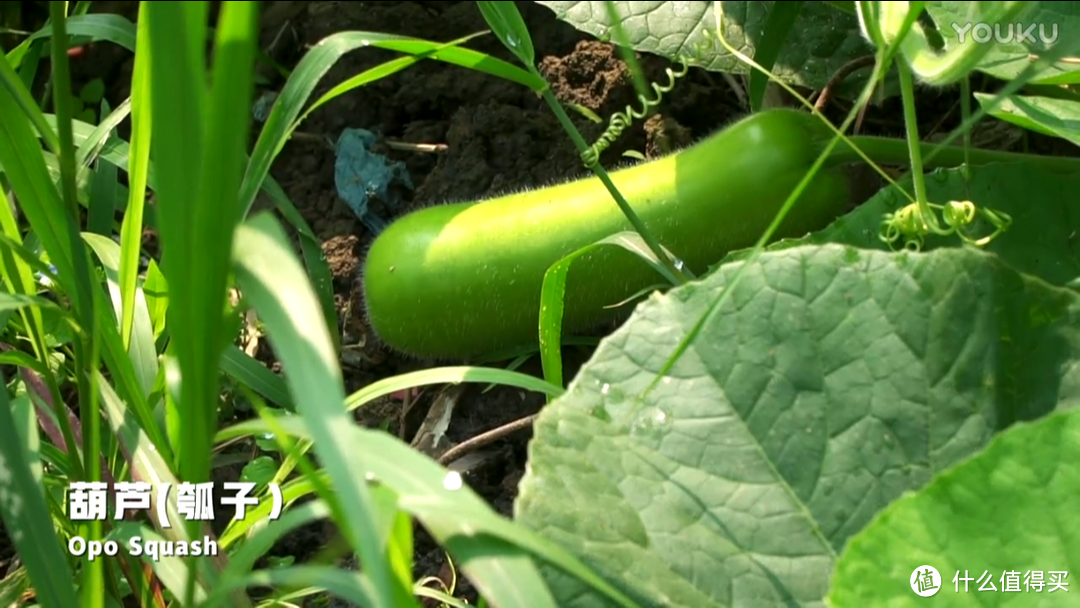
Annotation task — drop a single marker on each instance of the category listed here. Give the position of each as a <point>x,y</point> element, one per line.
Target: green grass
<point>145,354</point>
<point>118,373</point>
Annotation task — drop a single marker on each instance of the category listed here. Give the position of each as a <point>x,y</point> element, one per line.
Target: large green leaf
<point>1041,25</point>
<point>1042,240</point>
<point>832,381</point>
<point>1046,115</point>
<point>1019,495</point>
<point>824,37</point>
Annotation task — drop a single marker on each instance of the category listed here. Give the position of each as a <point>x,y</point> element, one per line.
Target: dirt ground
<point>497,136</point>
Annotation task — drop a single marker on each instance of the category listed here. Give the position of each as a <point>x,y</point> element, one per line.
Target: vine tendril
<point>621,120</point>
<point>908,224</point>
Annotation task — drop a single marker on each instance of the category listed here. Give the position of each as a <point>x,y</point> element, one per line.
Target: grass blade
<point>350,586</point>
<point>201,153</point>
<point>277,288</point>
<point>451,511</point>
<point>553,291</point>
<point>179,93</point>
<point>254,375</point>
<point>132,227</point>
<point>24,165</point>
<point>19,98</point>
<point>283,118</point>
<point>97,27</point>
<point>26,516</point>
<point>781,19</point>
<point>140,347</point>
<point>148,465</point>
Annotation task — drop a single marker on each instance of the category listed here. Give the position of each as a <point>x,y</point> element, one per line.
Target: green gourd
<point>463,280</point>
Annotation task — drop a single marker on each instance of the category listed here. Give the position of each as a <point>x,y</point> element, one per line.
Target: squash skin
<point>463,280</point>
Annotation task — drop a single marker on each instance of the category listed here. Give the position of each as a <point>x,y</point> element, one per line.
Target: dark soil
<point>498,136</point>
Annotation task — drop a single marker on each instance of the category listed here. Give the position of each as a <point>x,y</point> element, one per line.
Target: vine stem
<point>911,122</point>
<point>681,275</point>
<point>965,116</point>
<point>893,151</point>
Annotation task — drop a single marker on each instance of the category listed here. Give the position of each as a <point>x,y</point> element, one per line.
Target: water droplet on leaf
<point>650,423</point>
<point>452,481</point>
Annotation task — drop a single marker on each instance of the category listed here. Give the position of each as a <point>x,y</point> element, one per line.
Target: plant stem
<point>911,122</point>
<point>681,274</point>
<point>965,115</point>
<point>893,151</point>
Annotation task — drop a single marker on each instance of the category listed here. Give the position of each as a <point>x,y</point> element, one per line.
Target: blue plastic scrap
<point>260,110</point>
<point>361,175</point>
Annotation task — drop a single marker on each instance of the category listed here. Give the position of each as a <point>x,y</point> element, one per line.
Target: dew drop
<point>682,9</point>
<point>678,264</point>
<point>512,41</point>
<point>369,476</point>
<point>650,423</point>
<point>452,481</point>
<point>604,389</point>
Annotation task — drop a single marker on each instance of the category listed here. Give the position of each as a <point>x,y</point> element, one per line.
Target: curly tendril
<point>621,120</point>
<point>909,224</point>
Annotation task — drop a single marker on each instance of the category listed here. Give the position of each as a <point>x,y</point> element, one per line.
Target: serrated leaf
<point>1046,115</point>
<point>1042,25</point>
<point>1041,240</point>
<point>823,39</point>
<point>1019,494</point>
<point>832,381</point>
